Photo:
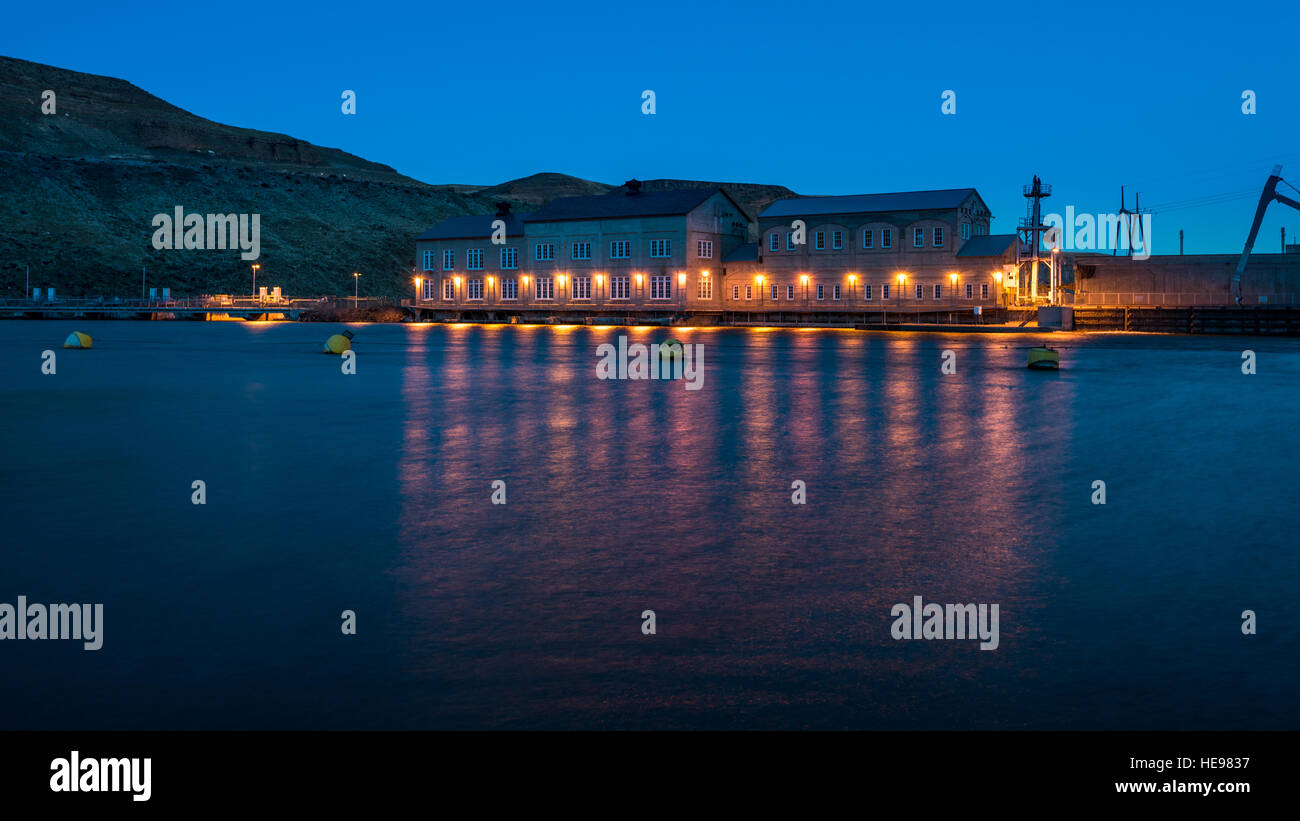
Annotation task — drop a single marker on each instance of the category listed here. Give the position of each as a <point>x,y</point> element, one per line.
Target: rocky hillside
<point>79,189</point>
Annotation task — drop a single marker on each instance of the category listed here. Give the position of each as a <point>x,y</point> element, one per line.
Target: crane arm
<point>1269,194</point>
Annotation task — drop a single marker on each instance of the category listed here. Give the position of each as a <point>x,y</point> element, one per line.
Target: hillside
<point>79,188</point>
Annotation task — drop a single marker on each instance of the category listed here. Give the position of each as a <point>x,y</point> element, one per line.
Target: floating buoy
<point>1044,359</point>
<point>339,343</point>
<point>77,339</point>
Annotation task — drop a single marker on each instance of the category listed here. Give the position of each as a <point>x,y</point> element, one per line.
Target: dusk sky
<point>825,98</point>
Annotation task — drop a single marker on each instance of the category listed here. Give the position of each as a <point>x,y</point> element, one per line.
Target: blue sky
<point>825,98</point>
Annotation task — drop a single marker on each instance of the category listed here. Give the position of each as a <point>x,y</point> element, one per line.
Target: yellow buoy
<point>77,339</point>
<point>670,349</point>
<point>339,343</point>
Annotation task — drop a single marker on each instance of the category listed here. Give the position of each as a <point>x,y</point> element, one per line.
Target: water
<point>371,492</point>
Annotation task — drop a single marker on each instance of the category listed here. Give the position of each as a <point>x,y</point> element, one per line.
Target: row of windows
<point>661,287</point>
<point>545,252</point>
<point>868,292</point>
<point>869,236</point>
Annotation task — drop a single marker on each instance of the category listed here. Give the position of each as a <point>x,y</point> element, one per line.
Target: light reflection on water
<point>625,496</point>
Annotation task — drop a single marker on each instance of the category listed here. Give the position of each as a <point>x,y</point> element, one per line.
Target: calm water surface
<point>372,492</point>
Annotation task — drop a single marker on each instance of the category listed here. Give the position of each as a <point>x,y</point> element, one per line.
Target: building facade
<point>660,249</point>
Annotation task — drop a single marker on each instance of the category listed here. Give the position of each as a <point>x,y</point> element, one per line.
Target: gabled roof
<point>477,226</point>
<point>869,203</point>
<point>619,204</point>
<point>743,253</point>
<point>988,245</point>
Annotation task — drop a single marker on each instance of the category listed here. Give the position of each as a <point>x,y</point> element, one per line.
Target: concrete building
<point>660,250</point>
<point>911,252</point>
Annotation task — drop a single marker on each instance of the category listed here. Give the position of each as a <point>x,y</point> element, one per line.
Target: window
<point>582,287</point>
<point>581,250</point>
<point>749,292</point>
<point>938,291</point>
<point>970,290</point>
<point>661,248</point>
<point>886,237</point>
<point>981,230</point>
<point>866,291</point>
<point>704,249</point>
<point>618,287</point>
<point>920,291</point>
<point>918,237</point>
<point>620,249</point>
<point>735,292</point>
<point>984,291</point>
<point>789,241</point>
<point>821,291</point>
<point>820,240</point>
<point>429,289</point>
<point>544,288</point>
<point>837,240</point>
<point>474,259</point>
<point>509,289</point>
<point>509,258</point>
<point>789,292</point>
<point>448,260</point>
<point>938,236</point>
<point>965,230</point>
<point>835,291</point>
<point>868,237</point>
<point>774,293</point>
<point>448,289</point>
<point>544,251</point>
<point>661,287</point>
<point>884,291</point>
<point>428,260</point>
<point>475,290</point>
<point>704,288</point>
<point>772,241</point>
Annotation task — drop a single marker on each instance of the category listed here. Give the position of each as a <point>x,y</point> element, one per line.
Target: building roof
<point>743,253</point>
<point>988,245</point>
<point>476,226</point>
<point>620,204</point>
<point>869,203</point>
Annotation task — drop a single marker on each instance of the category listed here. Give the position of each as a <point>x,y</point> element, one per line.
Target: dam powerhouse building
<point>867,257</point>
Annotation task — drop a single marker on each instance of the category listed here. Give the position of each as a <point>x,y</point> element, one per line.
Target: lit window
<point>704,288</point>
<point>429,286</point>
<point>618,287</point>
<point>735,292</point>
<point>448,289</point>
<point>582,287</point>
<point>509,289</point>
<point>544,288</point>
<point>704,249</point>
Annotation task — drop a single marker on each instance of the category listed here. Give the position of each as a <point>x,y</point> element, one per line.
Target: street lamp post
<point>356,290</point>
<point>255,267</point>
